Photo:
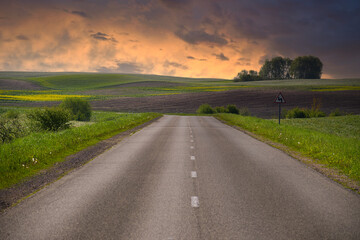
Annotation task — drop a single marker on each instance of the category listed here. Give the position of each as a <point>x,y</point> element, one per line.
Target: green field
<point>332,141</point>
<point>26,156</point>
<point>99,86</point>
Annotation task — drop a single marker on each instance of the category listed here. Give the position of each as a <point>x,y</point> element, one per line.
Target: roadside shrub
<point>221,109</point>
<point>336,113</point>
<point>51,119</point>
<point>9,129</point>
<point>232,109</point>
<point>244,112</point>
<point>12,114</point>
<point>296,113</point>
<point>315,109</point>
<point>205,109</point>
<point>80,109</point>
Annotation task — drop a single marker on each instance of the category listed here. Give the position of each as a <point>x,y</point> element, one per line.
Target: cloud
<point>80,13</point>
<point>22,37</point>
<point>174,64</point>
<point>221,57</point>
<point>103,37</point>
<point>123,67</point>
<point>175,4</point>
<point>194,58</point>
<point>200,36</point>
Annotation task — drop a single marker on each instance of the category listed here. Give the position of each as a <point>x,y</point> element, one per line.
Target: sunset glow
<point>205,38</point>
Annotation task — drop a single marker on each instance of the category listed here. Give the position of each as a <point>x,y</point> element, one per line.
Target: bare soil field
<point>260,102</point>
<point>12,84</point>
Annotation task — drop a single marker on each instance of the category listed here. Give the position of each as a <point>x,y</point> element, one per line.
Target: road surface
<point>188,178</point>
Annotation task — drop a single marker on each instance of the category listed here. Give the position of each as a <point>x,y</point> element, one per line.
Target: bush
<point>244,112</point>
<point>205,109</point>
<point>51,119</point>
<point>296,113</point>
<point>232,109</point>
<point>79,108</point>
<point>10,129</point>
<point>337,113</point>
<point>12,114</point>
<point>220,109</point>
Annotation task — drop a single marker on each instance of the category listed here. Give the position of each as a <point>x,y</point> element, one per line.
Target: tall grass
<point>333,150</point>
<point>26,156</point>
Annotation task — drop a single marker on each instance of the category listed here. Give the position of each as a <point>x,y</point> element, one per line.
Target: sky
<point>189,38</point>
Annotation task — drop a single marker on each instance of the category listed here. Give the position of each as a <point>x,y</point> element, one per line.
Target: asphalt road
<point>188,178</point>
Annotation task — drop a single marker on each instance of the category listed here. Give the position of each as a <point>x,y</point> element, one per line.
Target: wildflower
<point>298,142</point>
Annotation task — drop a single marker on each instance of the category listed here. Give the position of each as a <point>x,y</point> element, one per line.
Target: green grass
<point>314,138</point>
<point>342,126</point>
<point>96,86</point>
<point>26,156</point>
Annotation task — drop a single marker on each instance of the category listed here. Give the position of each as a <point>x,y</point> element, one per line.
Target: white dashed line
<point>191,140</point>
<point>194,201</point>
<point>192,157</point>
<point>191,147</point>
<point>193,174</point>
<point>191,136</point>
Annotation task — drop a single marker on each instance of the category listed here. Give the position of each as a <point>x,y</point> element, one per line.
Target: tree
<point>276,68</point>
<point>245,76</point>
<point>306,67</point>
<point>265,70</point>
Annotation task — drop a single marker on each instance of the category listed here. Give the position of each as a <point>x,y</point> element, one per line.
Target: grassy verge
<point>313,138</point>
<point>26,156</point>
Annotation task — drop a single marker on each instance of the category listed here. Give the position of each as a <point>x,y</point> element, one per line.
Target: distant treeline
<point>305,67</point>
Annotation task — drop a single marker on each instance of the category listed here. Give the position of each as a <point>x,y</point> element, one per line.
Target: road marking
<point>191,147</point>
<point>192,157</point>
<point>191,136</point>
<point>194,201</point>
<point>193,174</point>
<point>191,140</point>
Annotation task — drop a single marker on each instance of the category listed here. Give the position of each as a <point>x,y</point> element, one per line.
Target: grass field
<point>26,156</point>
<point>332,141</point>
<point>99,86</point>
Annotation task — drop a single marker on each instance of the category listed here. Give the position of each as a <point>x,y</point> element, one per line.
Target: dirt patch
<point>12,84</point>
<point>260,102</point>
<point>10,196</point>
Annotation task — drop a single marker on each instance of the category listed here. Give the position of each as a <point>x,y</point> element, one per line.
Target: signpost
<point>280,99</point>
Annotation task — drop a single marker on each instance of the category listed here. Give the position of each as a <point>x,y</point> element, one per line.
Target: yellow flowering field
<point>41,97</point>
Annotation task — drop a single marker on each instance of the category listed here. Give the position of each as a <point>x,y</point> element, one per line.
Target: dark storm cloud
<point>294,28</point>
<point>22,37</point>
<point>200,36</point>
<point>221,57</point>
<point>103,37</point>
<point>174,64</point>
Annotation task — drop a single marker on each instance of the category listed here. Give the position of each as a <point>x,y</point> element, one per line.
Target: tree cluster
<point>304,67</point>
